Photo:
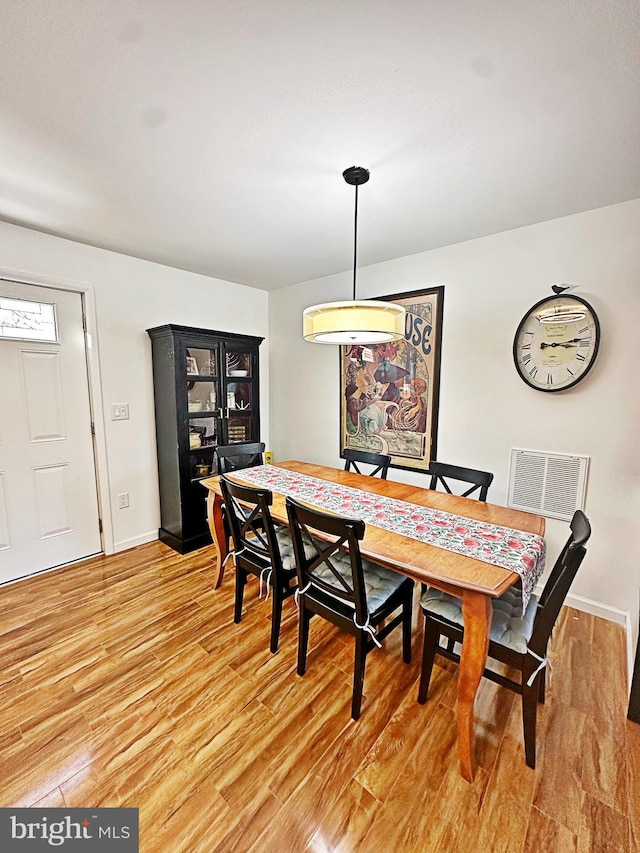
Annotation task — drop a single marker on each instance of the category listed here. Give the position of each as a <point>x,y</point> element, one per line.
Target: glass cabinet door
<point>203,409</point>
<point>239,389</point>
<point>203,382</point>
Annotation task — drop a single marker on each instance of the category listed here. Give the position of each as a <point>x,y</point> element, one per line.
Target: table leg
<point>477,612</point>
<point>216,526</point>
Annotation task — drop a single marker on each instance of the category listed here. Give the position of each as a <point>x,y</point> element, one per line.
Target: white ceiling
<point>211,134</point>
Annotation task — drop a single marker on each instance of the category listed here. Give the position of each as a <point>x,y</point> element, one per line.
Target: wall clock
<point>557,342</point>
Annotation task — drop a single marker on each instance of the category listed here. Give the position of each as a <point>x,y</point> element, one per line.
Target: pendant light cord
<point>355,244</point>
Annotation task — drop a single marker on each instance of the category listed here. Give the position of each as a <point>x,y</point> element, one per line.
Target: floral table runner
<point>515,550</point>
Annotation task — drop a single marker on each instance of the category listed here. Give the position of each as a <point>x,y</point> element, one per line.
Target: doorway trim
<point>87,293</point>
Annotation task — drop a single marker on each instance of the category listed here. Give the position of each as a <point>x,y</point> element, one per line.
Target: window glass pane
<point>28,321</point>
<point>239,395</point>
<point>238,364</point>
<point>202,397</point>
<point>239,428</point>
<point>201,362</point>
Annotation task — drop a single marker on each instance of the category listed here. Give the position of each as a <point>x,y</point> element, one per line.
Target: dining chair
<point>442,473</point>
<point>258,549</point>
<point>232,457</point>
<point>518,640</point>
<point>379,461</point>
<point>478,481</point>
<point>335,582</point>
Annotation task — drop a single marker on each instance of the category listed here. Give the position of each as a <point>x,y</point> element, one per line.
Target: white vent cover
<point>551,484</point>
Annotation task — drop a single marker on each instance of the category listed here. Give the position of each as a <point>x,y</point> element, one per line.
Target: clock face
<point>556,343</point>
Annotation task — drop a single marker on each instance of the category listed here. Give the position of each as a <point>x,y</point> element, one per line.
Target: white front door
<point>48,495</point>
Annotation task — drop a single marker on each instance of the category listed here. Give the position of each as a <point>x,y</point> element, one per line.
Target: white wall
<point>485,408</point>
<point>131,296</point>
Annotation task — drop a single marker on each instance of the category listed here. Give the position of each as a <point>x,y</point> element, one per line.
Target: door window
<point>21,319</point>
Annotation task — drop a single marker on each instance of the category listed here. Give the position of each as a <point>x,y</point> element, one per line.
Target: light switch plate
<point>120,412</point>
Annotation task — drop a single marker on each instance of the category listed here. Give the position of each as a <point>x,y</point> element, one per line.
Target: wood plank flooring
<point>124,682</point>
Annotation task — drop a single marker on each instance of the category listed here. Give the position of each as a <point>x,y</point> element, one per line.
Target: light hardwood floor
<point>125,682</point>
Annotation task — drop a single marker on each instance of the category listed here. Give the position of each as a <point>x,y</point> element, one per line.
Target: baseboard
<point>611,614</point>
<point>125,544</point>
<point>596,608</point>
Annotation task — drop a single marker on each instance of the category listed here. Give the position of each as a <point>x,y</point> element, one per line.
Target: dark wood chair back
<point>257,548</point>
<point>530,655</point>
<point>441,473</point>
<point>251,524</point>
<point>559,582</point>
<point>379,461</point>
<point>331,567</point>
<point>233,457</point>
<point>332,583</point>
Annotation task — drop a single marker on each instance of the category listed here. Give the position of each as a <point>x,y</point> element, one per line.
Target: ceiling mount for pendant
<point>356,175</point>
<point>357,322</point>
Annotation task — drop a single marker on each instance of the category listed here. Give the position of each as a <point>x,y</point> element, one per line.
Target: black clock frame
<point>531,310</point>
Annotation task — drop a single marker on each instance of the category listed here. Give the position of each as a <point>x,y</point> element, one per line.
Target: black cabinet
<point>206,388</point>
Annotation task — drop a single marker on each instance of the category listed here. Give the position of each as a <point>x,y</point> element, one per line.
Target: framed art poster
<point>389,393</point>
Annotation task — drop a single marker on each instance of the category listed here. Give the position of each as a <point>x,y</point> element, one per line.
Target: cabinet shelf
<point>175,349</point>
<point>218,413</point>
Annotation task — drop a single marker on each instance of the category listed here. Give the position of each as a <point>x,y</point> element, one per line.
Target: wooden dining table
<point>474,581</point>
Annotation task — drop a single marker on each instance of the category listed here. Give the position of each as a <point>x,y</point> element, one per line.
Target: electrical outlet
<point>268,457</point>
<point>120,412</point>
<point>123,500</point>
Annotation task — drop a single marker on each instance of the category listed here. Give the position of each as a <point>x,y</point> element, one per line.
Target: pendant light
<point>366,321</point>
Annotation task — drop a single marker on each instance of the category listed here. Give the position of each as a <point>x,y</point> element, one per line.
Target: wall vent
<point>551,484</point>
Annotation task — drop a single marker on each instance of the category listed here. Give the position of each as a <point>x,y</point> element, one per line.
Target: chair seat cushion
<point>379,582</point>
<point>508,626</point>
<point>286,549</point>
